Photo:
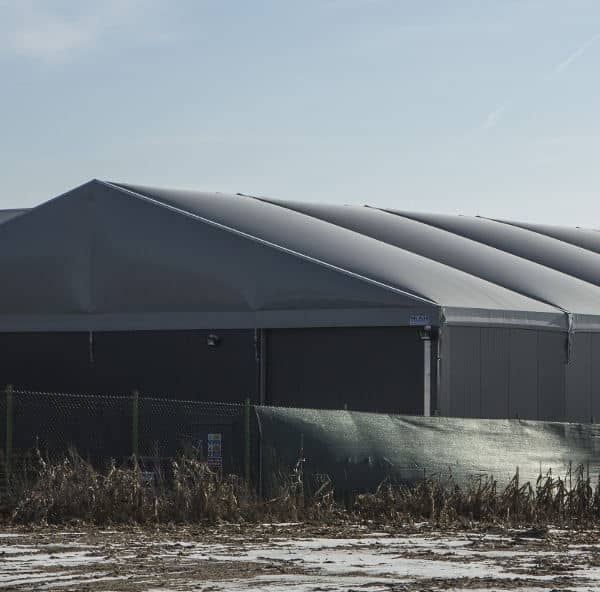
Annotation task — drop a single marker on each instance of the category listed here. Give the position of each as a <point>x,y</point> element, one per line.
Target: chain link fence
<point>265,445</point>
<point>105,427</point>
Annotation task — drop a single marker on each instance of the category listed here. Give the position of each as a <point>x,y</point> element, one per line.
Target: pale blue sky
<point>473,107</point>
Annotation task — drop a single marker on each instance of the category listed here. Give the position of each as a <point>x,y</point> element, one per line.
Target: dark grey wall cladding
<point>551,376</point>
<point>465,372</point>
<point>57,362</point>
<point>523,374</point>
<point>499,372</point>
<point>170,364</point>
<point>496,372</point>
<point>595,372</point>
<point>363,368</point>
<point>495,379</point>
<point>579,379</point>
<point>444,365</point>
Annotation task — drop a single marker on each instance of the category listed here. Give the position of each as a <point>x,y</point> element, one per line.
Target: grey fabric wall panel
<point>495,372</point>
<point>44,259</point>
<point>8,214</point>
<point>465,372</point>
<point>579,379</point>
<point>523,374</point>
<point>551,376</point>
<point>595,371</point>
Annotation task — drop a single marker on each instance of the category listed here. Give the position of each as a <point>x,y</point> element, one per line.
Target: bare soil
<point>297,557</point>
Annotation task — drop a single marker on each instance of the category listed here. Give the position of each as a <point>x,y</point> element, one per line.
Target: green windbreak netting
<point>359,450</point>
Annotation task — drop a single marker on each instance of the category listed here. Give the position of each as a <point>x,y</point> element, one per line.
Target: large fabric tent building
<point>218,297</point>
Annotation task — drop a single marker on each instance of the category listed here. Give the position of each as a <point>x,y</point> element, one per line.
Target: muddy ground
<point>298,558</point>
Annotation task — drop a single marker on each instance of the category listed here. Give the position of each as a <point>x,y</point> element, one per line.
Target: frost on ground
<point>298,558</point>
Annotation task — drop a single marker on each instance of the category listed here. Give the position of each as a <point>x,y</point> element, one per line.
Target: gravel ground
<point>297,558</point>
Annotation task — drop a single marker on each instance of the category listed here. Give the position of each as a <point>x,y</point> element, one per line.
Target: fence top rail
<point>127,397</point>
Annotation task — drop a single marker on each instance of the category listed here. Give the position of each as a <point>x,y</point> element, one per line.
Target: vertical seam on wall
<point>445,364</point>
<point>591,370</point>
<point>480,373</point>
<point>565,391</point>
<point>508,350</point>
<point>566,365</point>
<point>537,369</point>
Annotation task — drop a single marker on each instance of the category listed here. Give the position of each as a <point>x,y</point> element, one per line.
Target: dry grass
<point>71,489</point>
<point>570,501</point>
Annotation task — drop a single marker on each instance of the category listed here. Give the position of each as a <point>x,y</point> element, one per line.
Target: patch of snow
<point>61,559</point>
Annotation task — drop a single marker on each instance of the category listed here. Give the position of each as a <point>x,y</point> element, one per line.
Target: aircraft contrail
<point>494,116</point>
<point>562,66</point>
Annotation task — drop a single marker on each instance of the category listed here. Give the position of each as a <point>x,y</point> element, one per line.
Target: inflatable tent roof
<point>108,256</point>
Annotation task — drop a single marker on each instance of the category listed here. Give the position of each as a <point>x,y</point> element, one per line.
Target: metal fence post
<point>9,431</point>
<point>135,422</point>
<point>247,440</point>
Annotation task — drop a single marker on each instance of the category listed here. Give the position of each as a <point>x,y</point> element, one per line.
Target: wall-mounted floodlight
<point>425,333</point>
<point>213,340</point>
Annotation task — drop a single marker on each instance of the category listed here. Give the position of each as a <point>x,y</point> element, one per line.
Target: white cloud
<point>52,40</point>
<point>493,117</point>
<point>58,31</point>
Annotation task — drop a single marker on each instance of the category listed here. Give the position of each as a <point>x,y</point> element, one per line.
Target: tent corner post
<point>8,449</point>
<point>247,406</point>
<point>135,424</point>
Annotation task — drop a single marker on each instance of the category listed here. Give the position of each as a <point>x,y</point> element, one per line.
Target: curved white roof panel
<point>556,254</point>
<point>586,238</point>
<point>499,267</point>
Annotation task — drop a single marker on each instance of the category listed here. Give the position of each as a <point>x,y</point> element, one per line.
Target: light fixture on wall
<point>425,333</point>
<point>213,340</point>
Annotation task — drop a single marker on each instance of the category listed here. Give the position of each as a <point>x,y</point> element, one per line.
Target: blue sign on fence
<point>214,452</point>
